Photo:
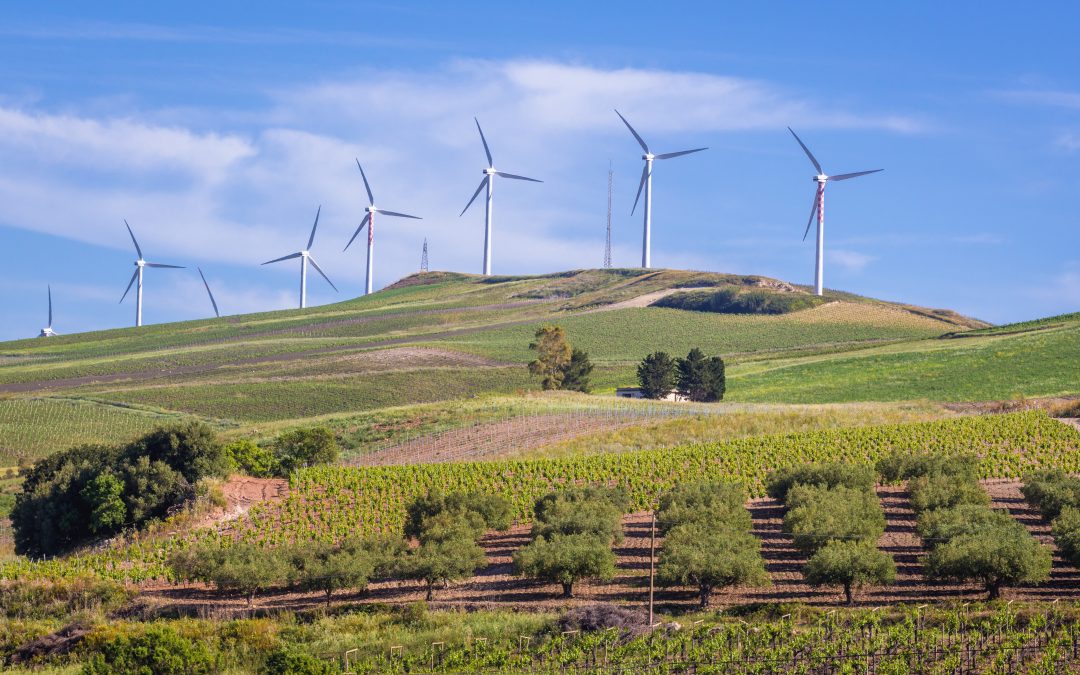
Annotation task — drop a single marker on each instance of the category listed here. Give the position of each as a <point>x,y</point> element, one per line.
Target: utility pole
<point>652,563</point>
<point>424,258</point>
<point>607,242</point>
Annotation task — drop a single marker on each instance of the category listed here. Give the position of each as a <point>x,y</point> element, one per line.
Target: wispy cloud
<point>1044,97</point>
<point>1068,141</point>
<point>852,261</point>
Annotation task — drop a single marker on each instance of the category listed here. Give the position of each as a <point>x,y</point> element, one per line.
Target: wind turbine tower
<point>48,331</point>
<point>607,239</point>
<point>489,181</point>
<point>818,209</point>
<point>140,264</point>
<point>369,221</point>
<point>305,258</point>
<point>646,183</point>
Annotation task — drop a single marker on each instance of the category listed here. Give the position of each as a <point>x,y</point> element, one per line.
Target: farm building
<point>635,392</point>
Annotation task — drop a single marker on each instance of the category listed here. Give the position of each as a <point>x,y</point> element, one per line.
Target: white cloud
<point>852,261</point>
<point>1068,141</point>
<point>1045,97</point>
<point>219,195</point>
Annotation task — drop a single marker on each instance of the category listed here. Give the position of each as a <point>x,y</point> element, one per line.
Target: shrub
<point>565,559</point>
<point>290,660</point>
<point>1066,531</point>
<point>996,556</point>
<point>900,465</point>
<point>61,598</point>
<point>940,525</point>
<point>732,301</point>
<point>158,649</point>
<point>829,474</point>
<point>301,448</point>
<point>704,502</point>
<point>942,491</point>
<point>849,564</point>
<point>700,379</point>
<point>818,515</point>
<point>602,616</point>
<point>1051,491</point>
<point>252,459</point>
<point>710,557</point>
<point>656,375</point>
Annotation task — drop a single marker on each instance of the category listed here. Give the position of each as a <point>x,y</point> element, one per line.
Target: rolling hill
<point>443,336</point>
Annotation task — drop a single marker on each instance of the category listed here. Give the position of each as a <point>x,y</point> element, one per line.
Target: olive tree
<point>849,564</point>
<point>565,559</point>
<point>995,556</point>
<point>710,557</point>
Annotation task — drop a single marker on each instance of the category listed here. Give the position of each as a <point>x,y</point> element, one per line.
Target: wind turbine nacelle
<point>489,172</point>
<point>820,179</point>
<point>649,157</point>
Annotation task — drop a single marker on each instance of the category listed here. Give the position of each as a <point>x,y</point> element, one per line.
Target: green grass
<point>1041,363</point>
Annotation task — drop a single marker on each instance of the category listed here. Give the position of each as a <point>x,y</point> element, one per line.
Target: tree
<point>1066,530</point>
<point>699,378</point>
<point>482,511</point>
<point>192,449</point>
<point>104,494</point>
<point>705,502</point>
<point>241,567</point>
<point>996,556</point>
<point>656,375</point>
<point>566,559</point>
<point>942,491</point>
<point>849,564</point>
<point>817,515</point>
<point>827,474</point>
<point>553,355</point>
<point>152,487</point>
<point>710,556</point>
<point>444,558</point>
<point>591,510</point>
<point>577,371</point>
<point>941,525</point>
<point>302,448</point>
<point>353,563</point>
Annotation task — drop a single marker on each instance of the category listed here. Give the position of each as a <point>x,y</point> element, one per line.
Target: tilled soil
<point>496,587</point>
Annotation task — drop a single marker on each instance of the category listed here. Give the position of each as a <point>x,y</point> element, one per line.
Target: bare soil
<point>496,587</point>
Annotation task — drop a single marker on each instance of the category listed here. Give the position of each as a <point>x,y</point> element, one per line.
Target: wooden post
<point>652,563</point>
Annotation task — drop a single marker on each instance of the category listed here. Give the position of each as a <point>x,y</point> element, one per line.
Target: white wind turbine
<point>138,276</point>
<point>818,209</point>
<point>646,182</point>
<point>208,292</point>
<point>489,181</point>
<point>305,258</point>
<point>369,220</point>
<point>47,331</point>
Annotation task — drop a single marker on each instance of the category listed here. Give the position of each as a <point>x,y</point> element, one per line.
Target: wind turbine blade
<point>399,215</point>
<point>175,267</point>
<point>482,184</point>
<point>487,150</point>
<point>133,240</point>
<point>311,239</point>
<point>515,177</point>
<point>208,292</point>
<point>845,176</point>
<point>669,155</point>
<point>284,257</point>
<point>363,223</point>
<point>644,175</point>
<point>371,200</point>
<point>813,160</point>
<point>130,284</point>
<point>640,140</point>
<point>813,212</point>
<point>50,305</point>
<point>319,270</point>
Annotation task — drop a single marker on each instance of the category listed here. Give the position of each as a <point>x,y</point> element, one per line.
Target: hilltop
<point>443,336</point>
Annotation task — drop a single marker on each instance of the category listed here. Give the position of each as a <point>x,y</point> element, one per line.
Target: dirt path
<point>496,587</point>
<point>645,300</point>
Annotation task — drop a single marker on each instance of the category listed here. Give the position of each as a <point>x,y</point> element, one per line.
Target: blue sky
<point>217,130</point>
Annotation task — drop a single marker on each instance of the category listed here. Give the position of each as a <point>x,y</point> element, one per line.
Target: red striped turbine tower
<point>818,209</point>
<point>369,221</point>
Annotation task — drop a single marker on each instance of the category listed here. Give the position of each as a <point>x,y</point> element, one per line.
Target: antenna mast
<point>424,258</point>
<point>607,241</point>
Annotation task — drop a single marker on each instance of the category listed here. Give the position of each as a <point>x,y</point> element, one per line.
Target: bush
<point>899,465</point>
<point>818,515</point>
<point>656,375</point>
<point>710,557</point>
<point>1066,531</point>
<point>830,474</point>
<point>942,491</point>
<point>290,660</point>
<point>849,564</point>
<point>996,556</point>
<point>941,525</point>
<point>732,301</point>
<point>158,649</point>
<point>1051,491</point>
<point>252,459</point>
<point>602,616</point>
<point>301,448</point>
<point>565,559</point>
<point>704,502</point>
<point>61,598</point>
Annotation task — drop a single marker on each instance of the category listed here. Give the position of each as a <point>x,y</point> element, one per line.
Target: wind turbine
<point>138,276</point>
<point>47,331</point>
<point>818,209</point>
<point>646,182</point>
<point>369,220</point>
<point>212,301</point>
<point>305,258</point>
<point>489,181</point>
